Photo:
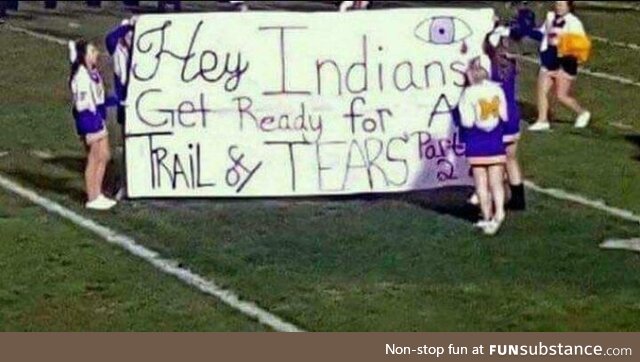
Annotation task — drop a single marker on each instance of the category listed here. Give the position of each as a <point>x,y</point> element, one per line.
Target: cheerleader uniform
<point>121,63</point>
<point>483,108</point>
<point>563,44</point>
<point>507,80</point>
<point>89,106</point>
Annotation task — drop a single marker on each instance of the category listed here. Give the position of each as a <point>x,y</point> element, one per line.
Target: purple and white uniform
<point>89,107</point>
<point>549,35</point>
<point>483,109</point>
<point>121,63</point>
<point>507,79</point>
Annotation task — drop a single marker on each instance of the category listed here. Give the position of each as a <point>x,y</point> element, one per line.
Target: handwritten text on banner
<point>292,104</point>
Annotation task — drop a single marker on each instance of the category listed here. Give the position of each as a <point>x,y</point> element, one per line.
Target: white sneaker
<point>540,127</point>
<point>474,200</point>
<point>101,203</point>
<point>482,224</point>
<point>583,120</point>
<point>491,228</point>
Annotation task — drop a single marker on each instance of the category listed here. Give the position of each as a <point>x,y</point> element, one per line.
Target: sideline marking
<point>165,265</point>
<point>601,75</point>
<point>616,43</point>
<point>232,299</point>
<point>619,244</point>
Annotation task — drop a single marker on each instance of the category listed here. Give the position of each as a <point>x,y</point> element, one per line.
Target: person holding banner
<point>483,108</point>
<point>89,112</point>
<point>118,44</point>
<point>563,45</point>
<point>504,72</point>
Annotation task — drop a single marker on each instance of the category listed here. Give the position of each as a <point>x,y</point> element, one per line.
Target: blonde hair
<point>475,72</point>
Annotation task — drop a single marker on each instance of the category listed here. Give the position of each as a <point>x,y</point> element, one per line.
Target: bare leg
<point>514,172</point>
<point>104,156</point>
<point>563,92</point>
<point>481,179</point>
<point>514,175</point>
<point>496,184</point>
<point>553,102</point>
<point>545,82</point>
<point>90,171</point>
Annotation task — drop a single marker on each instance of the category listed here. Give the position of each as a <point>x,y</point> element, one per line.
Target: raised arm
<point>115,35</point>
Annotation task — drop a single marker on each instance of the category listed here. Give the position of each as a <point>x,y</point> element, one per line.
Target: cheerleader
<point>118,44</point>
<point>504,72</point>
<point>483,108</point>
<point>89,111</point>
<point>563,45</point>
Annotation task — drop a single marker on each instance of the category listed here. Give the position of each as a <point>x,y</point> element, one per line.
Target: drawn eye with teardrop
<point>442,30</point>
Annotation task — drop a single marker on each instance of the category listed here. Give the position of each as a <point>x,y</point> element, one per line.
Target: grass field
<point>410,262</point>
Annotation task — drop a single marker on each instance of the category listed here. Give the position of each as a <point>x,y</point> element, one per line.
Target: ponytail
<point>77,55</point>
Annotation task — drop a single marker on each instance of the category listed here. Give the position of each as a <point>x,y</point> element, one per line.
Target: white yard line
<point>616,43</point>
<point>607,5</point>
<point>579,199</point>
<point>600,75</point>
<point>617,244</point>
<point>622,126</point>
<point>38,35</point>
<point>629,244</point>
<point>266,317</point>
<point>165,265</point>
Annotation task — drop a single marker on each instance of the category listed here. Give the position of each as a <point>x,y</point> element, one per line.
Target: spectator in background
<point>162,6</point>
<point>51,4</point>
<point>353,5</point>
<point>240,5</point>
<point>504,71</point>
<point>94,4</point>
<point>3,11</point>
<point>7,5</point>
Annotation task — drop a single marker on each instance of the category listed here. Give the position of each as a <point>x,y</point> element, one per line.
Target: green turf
<point>407,262</point>
<point>56,277</point>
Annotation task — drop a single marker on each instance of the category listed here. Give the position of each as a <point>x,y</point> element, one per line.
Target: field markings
<point>551,192</point>
<point>616,43</point>
<point>228,297</point>
<point>167,266</point>
<point>608,6</point>
<point>579,199</point>
<point>621,244</point>
<point>622,126</point>
<point>629,244</point>
<point>601,75</point>
<point>36,34</point>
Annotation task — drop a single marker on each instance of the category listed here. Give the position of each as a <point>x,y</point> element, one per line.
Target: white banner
<point>292,104</point>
